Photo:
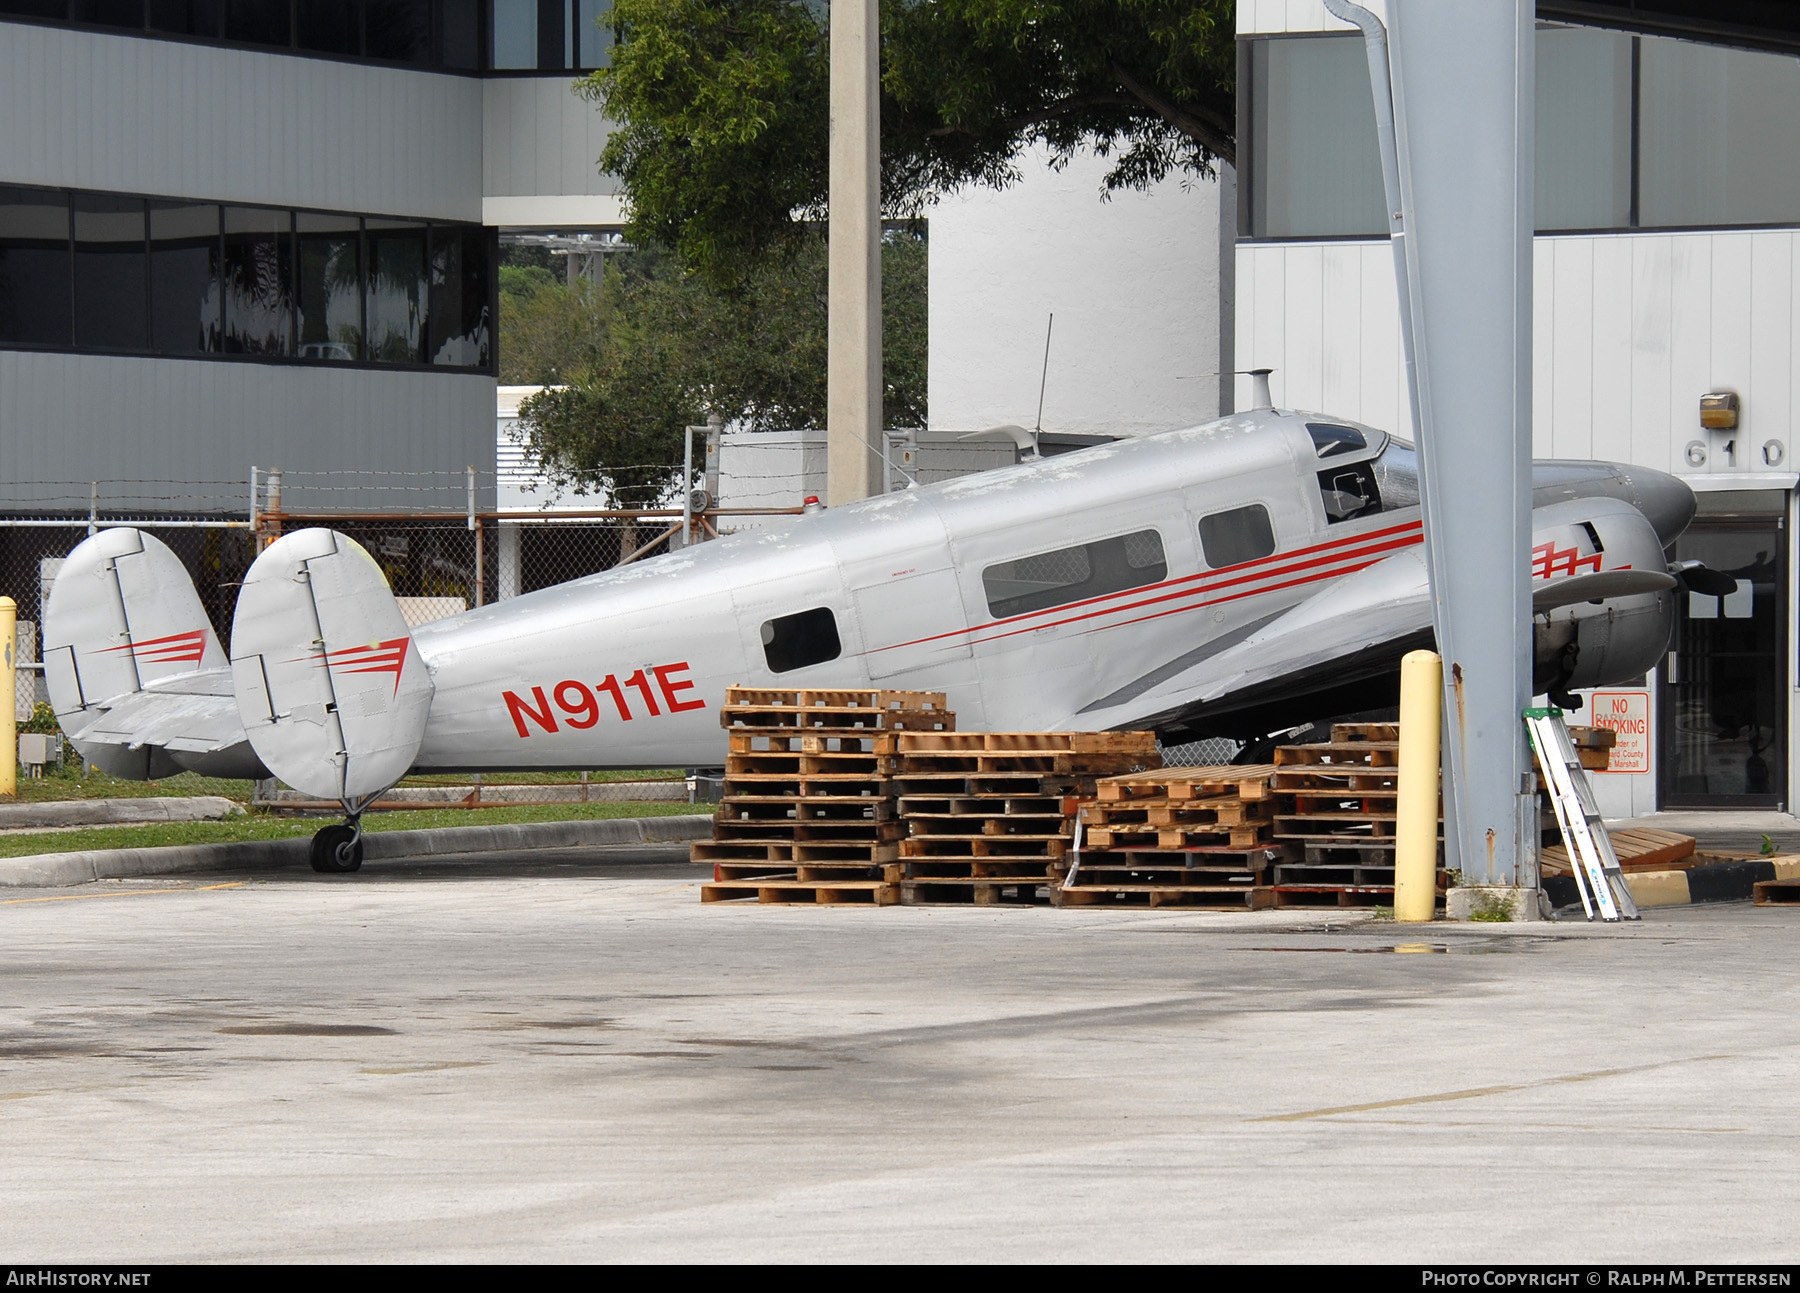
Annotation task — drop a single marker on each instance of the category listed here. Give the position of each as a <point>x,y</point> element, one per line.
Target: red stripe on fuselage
<point>1349,548</point>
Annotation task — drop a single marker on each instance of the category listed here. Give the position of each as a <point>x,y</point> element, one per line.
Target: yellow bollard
<point>1415,855</point>
<point>9,688</point>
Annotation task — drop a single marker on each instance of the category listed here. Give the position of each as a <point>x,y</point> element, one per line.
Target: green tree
<point>673,347</point>
<point>722,105</point>
<point>549,331</point>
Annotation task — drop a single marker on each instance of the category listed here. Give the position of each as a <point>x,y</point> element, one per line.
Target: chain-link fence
<point>439,563</point>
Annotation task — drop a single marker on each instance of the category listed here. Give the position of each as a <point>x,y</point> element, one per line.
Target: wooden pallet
<point>1326,895</point>
<point>1340,754</point>
<point>791,851</point>
<point>1176,838</point>
<point>804,808</point>
<point>819,872</point>
<point>874,893</point>
<point>1155,895</point>
<point>1776,893</point>
<point>825,763</point>
<point>966,891</point>
<point>788,740</point>
<point>752,711</point>
<point>1246,781</point>
<point>971,847</point>
<point>818,832</point>
<point>1220,810</point>
<point>1638,848</point>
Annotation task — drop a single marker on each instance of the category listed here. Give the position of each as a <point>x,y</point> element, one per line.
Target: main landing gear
<point>338,848</point>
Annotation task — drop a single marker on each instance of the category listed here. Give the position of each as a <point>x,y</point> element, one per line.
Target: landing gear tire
<point>337,849</point>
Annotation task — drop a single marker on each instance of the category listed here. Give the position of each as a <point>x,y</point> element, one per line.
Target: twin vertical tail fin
<point>324,687</point>
<point>330,688</point>
<point>124,625</point>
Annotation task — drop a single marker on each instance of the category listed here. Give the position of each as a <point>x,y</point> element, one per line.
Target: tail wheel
<point>337,849</point>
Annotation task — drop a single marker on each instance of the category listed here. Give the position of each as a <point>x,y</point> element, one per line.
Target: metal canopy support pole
<point>853,397</point>
<point>1463,106</point>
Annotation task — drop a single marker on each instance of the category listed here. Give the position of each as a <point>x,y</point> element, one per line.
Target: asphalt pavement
<point>564,1055</point>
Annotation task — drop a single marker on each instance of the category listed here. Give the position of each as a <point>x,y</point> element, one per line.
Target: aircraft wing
<point>1342,646</point>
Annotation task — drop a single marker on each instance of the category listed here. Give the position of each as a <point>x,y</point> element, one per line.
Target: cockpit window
<point>1397,475</point>
<point>1349,491</point>
<point>1330,440</point>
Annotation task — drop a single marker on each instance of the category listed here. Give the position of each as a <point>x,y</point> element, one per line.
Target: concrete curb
<point>116,812</point>
<point>56,869</point>
<point>1720,882</point>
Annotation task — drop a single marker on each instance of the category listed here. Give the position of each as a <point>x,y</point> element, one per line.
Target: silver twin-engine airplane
<point>1232,579</point>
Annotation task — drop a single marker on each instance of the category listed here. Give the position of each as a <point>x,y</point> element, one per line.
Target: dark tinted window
<point>1234,537</point>
<point>1329,440</point>
<point>109,13</point>
<point>795,641</point>
<point>396,300</point>
<point>459,33</point>
<point>461,331</point>
<point>185,299</point>
<point>259,275</point>
<point>34,267</point>
<point>328,26</point>
<point>514,39</point>
<point>110,279</point>
<point>330,287</point>
<point>35,8</point>
<point>593,33</point>
<point>399,30</point>
<point>258,22</point>
<point>1349,491</point>
<point>1074,574</point>
<point>187,17</point>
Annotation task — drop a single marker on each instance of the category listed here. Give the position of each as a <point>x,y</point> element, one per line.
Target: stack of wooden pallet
<point>1336,817</point>
<point>986,811</point>
<point>1173,837</point>
<point>808,812</point>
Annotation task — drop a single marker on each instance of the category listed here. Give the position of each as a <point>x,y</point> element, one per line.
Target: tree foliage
<point>673,348</point>
<point>548,331</point>
<point>723,105</point>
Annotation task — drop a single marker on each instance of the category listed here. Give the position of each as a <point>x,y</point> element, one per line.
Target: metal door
<point>1724,693</point>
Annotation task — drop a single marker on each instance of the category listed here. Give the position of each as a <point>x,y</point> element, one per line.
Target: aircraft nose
<point>1665,500</point>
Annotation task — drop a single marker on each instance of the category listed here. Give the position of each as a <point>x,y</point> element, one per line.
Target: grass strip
<point>262,826</point>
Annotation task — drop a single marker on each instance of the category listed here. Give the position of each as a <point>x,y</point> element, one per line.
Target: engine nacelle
<point>1596,643</point>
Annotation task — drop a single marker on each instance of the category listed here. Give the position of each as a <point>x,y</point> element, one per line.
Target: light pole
<point>853,396</point>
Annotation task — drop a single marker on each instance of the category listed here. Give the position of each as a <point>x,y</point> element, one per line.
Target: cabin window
<point>795,641</point>
<point>1330,440</point>
<point>1234,537</point>
<point>1349,491</point>
<point>1074,574</point>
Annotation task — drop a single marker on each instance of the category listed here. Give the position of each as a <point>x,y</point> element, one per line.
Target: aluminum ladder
<point>1598,877</point>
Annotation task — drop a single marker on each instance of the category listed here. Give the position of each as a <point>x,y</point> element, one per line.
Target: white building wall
<point>182,421</point>
<point>1629,331</point>
<point>539,136</point>
<point>123,114</point>
<point>1135,284</point>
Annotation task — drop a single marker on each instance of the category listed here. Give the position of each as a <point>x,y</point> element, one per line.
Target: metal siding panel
<point>1571,412</point>
<point>132,115</point>
<point>1385,401</point>
<point>1612,349</point>
<point>1729,368</point>
<point>1690,339</point>
<point>1340,310</point>
<point>1244,322</point>
<point>1652,337</point>
<point>1267,349</point>
<point>1768,398</point>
